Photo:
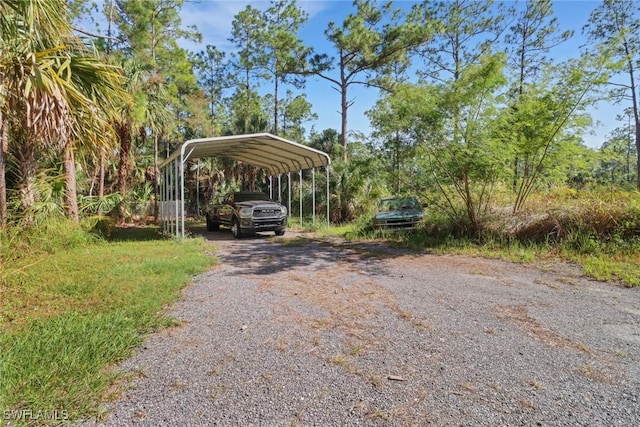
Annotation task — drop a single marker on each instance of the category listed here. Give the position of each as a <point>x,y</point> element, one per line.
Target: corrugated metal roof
<point>276,155</point>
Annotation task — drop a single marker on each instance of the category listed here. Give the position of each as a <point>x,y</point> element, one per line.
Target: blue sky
<point>213,19</point>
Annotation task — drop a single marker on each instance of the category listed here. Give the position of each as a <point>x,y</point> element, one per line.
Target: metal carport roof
<point>276,155</point>
<point>270,152</point>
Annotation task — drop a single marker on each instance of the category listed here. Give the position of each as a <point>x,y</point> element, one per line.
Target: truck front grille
<point>266,213</point>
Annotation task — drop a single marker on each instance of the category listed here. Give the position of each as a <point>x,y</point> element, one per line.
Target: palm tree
<point>93,93</point>
<point>55,91</point>
<point>33,109</point>
<point>130,118</point>
<point>158,119</point>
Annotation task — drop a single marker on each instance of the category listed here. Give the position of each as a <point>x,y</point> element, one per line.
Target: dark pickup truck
<point>247,213</point>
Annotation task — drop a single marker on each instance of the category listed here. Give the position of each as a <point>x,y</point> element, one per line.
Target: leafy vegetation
<point>470,100</point>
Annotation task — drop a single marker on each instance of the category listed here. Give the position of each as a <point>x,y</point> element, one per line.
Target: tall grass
<point>73,304</point>
<point>597,229</point>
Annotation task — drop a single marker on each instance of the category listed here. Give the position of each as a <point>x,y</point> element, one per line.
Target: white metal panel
<point>276,155</point>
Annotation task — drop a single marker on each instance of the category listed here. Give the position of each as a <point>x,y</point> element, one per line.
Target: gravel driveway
<point>311,333</point>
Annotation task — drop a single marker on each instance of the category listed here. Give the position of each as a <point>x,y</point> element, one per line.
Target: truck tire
<point>212,225</point>
<point>235,228</point>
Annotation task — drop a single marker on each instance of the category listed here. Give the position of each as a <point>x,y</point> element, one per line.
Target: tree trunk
<point>638,151</point>
<point>247,103</point>
<point>124,136</point>
<point>634,102</point>
<point>4,137</point>
<point>101,182</point>
<point>514,184</point>
<point>71,193</point>
<point>344,109</point>
<point>27,170</point>
<point>156,179</point>
<point>252,177</point>
<point>275,106</point>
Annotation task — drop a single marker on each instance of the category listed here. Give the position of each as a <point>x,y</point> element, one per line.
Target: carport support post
<point>289,190</point>
<point>181,231</point>
<point>170,185</point>
<point>300,174</point>
<point>198,188</point>
<point>163,200</point>
<point>167,182</point>
<point>167,207</point>
<point>313,193</point>
<point>166,199</point>
<point>279,188</point>
<point>160,219</point>
<point>327,170</point>
<point>176,199</point>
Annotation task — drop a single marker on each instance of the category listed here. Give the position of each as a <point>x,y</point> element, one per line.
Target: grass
<point>72,305</point>
<point>319,227</point>
<point>608,263</point>
<point>612,267</point>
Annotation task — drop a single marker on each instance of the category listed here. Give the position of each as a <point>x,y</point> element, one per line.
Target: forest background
<point>475,110</point>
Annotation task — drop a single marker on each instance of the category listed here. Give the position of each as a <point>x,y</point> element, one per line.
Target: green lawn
<point>67,315</point>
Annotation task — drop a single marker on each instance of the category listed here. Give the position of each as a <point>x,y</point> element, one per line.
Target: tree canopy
<point>470,102</point>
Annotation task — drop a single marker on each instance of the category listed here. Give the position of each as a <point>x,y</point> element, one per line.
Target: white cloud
<point>214,18</point>
<point>313,7</point>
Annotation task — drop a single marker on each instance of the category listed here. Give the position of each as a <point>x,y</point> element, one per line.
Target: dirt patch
<point>477,266</point>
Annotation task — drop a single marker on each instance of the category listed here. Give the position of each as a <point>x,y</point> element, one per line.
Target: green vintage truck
<point>398,213</point>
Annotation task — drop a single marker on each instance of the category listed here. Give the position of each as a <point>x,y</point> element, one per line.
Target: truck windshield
<point>399,203</point>
<point>247,196</point>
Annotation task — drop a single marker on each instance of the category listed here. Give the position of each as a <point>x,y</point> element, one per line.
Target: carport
<point>276,155</point>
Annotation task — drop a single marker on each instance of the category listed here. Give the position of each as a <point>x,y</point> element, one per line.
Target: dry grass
<point>595,373</point>
<point>346,306</point>
<point>536,385</point>
<point>531,327</point>
<point>558,215</point>
<point>597,230</point>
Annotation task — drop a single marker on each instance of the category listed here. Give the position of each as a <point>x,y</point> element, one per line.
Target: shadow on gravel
<point>265,253</point>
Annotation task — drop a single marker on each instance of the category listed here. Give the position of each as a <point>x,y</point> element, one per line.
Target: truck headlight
<point>283,210</point>
<point>245,212</point>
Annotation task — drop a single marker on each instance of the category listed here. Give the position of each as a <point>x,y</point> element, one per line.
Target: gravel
<point>311,333</point>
